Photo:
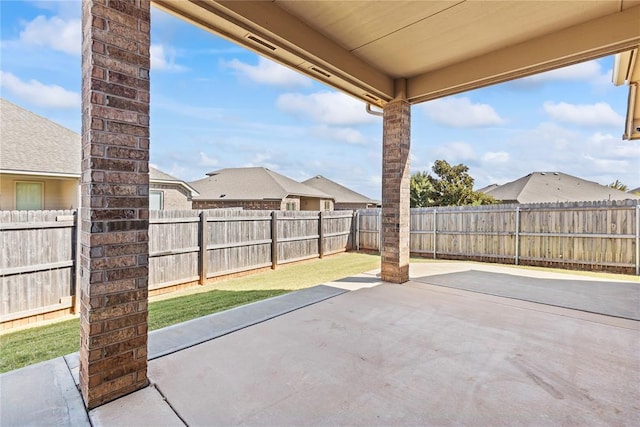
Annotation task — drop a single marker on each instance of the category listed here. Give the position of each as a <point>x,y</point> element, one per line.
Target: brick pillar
<point>395,191</point>
<point>115,192</point>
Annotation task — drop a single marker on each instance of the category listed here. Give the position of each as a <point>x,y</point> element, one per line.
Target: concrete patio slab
<point>411,355</point>
<point>620,299</point>
<point>51,385</point>
<point>187,334</point>
<point>41,394</point>
<point>145,407</point>
<point>184,335</point>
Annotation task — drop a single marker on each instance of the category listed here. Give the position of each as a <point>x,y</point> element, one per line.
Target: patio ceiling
<point>439,47</point>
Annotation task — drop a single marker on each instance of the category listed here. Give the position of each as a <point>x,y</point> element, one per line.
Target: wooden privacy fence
<point>38,264</point>
<point>585,235</point>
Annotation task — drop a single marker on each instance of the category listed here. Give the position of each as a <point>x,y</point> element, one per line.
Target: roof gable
<point>549,187</point>
<point>253,183</point>
<point>340,193</point>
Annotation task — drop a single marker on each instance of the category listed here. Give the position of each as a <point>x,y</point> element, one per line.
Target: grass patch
<point>294,276</point>
<point>26,347</point>
<point>31,346</point>
<point>35,345</point>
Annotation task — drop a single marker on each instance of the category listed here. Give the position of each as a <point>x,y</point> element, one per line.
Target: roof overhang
<point>40,174</point>
<point>379,51</point>
<point>626,70</point>
<point>192,191</point>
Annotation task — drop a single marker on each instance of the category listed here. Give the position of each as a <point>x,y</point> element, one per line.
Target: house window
<point>156,200</point>
<point>291,206</point>
<point>327,205</point>
<point>29,196</point>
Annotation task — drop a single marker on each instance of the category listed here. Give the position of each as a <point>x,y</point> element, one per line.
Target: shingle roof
<point>487,188</point>
<point>32,143</point>
<point>255,183</point>
<point>550,187</point>
<point>340,193</point>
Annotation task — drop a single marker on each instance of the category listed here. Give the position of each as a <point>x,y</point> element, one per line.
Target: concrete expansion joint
<point>157,387</point>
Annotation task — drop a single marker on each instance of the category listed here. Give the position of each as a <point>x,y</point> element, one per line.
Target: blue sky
<point>216,105</point>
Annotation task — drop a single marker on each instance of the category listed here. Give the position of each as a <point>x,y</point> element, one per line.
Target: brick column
<point>395,191</point>
<point>115,192</point>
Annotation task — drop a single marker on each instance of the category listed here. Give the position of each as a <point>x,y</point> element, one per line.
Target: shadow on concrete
<point>619,299</point>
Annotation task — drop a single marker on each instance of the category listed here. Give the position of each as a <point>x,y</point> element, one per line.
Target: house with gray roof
<point>257,188</point>
<point>552,187</point>
<point>40,166</point>
<point>344,197</point>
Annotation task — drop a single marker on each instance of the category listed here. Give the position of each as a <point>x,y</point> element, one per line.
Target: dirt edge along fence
<point>186,248</point>
<point>595,236</point>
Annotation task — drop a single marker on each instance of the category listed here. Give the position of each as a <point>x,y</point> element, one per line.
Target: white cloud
<point>163,58</point>
<point>494,157</point>
<point>269,72</point>
<point>55,33</point>
<point>344,134</point>
<point>261,160</point>
<point>37,93</point>
<point>607,166</point>
<point>590,115</point>
<point>461,113</point>
<point>330,108</point>
<point>454,152</point>
<point>207,161</point>
<point>614,148</point>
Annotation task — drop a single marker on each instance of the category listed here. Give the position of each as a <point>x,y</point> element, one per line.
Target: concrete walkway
<point>415,354</point>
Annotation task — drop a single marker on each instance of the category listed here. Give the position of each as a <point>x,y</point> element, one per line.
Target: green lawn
<point>37,344</point>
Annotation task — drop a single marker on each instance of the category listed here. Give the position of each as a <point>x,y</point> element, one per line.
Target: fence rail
<point>586,235</point>
<point>38,248</point>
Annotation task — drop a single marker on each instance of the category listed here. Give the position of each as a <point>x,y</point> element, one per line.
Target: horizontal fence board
<point>34,268</point>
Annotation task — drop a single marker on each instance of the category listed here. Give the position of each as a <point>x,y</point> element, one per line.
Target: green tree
<point>618,185</point>
<point>451,186</point>
<point>421,189</point>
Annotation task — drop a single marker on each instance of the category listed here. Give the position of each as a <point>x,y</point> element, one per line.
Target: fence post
<point>274,239</point>
<point>517,254</point>
<point>435,231</point>
<point>356,238</point>
<point>320,236</point>
<point>203,248</point>
<point>380,231</point>
<point>76,264</point>
<point>637,239</point>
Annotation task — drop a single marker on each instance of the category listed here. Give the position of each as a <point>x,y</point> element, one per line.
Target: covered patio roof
<point>390,54</point>
<point>439,47</point>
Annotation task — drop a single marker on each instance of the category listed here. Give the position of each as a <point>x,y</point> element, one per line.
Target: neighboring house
<point>257,188</point>
<point>166,192</point>
<point>344,197</point>
<point>551,187</point>
<point>635,191</point>
<point>40,166</point>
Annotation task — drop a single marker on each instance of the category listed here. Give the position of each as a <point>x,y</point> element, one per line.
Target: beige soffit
<point>626,70</point>
<point>421,50</point>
